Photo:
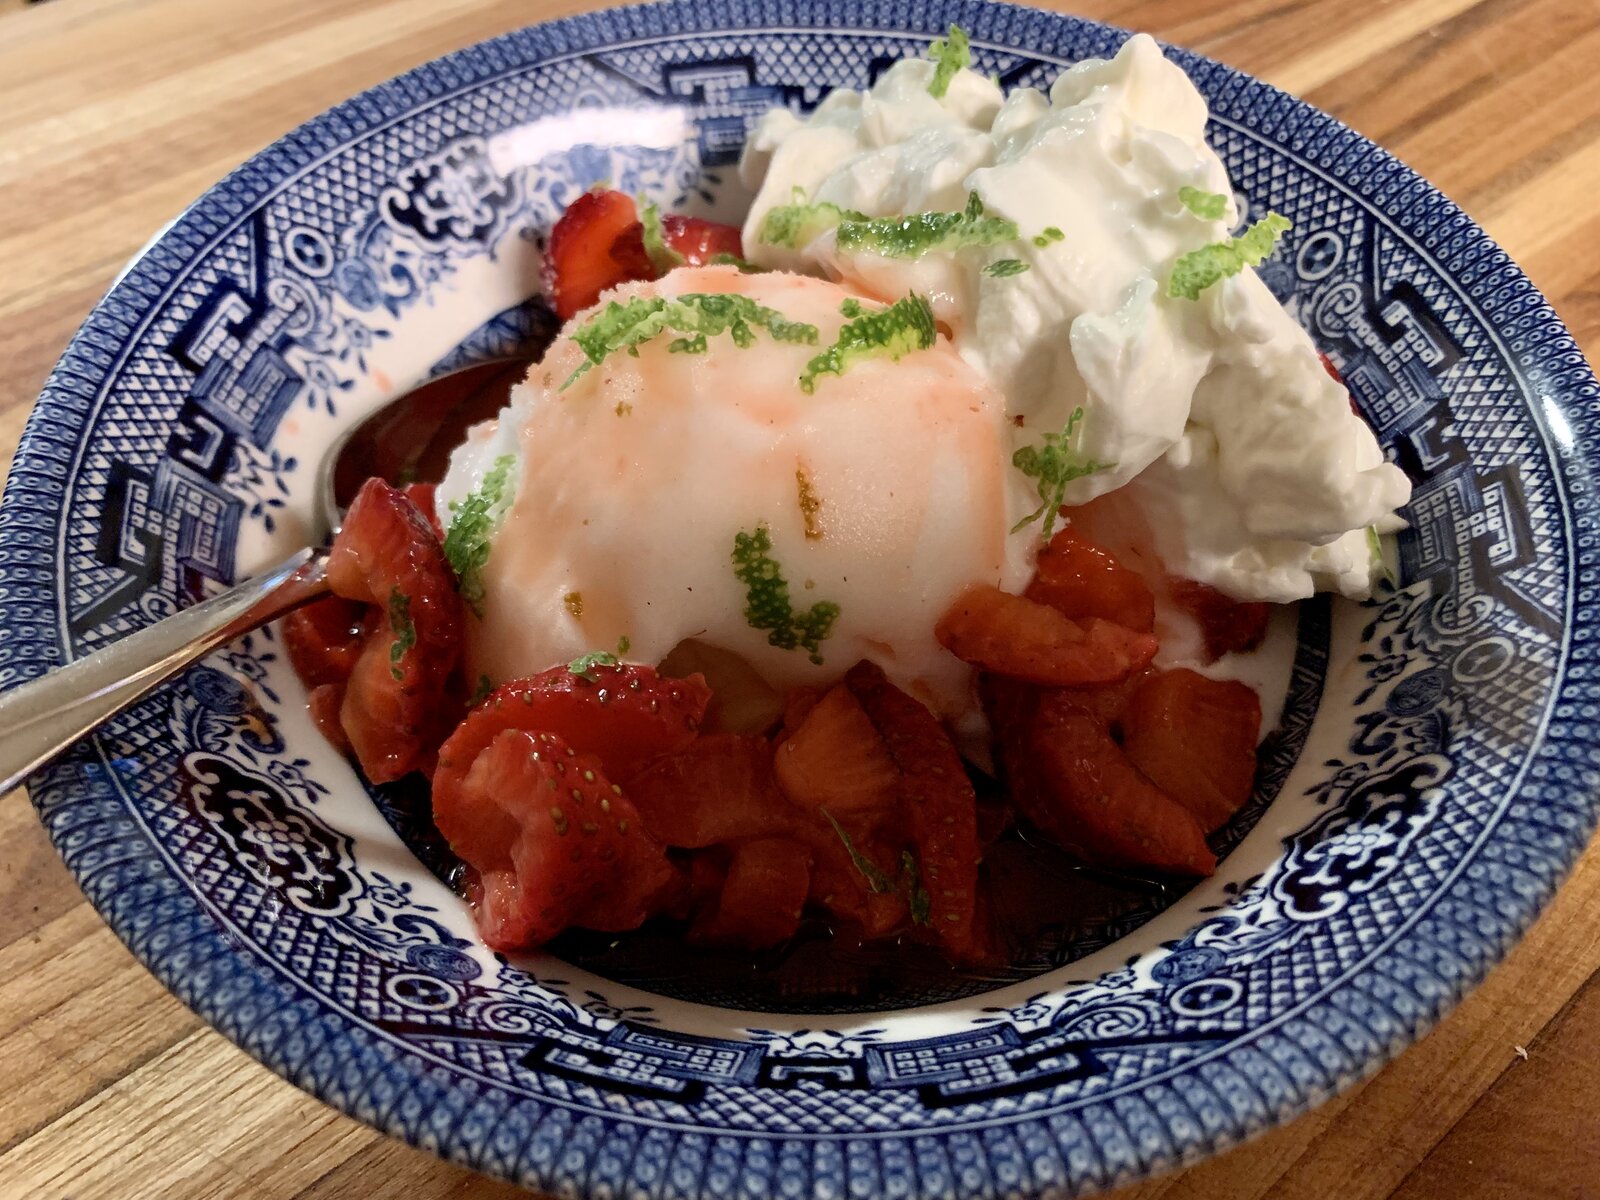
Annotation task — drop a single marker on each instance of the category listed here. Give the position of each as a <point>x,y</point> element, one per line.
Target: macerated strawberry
<point>396,703</point>
<point>1195,739</point>
<point>626,715</point>
<point>421,494</point>
<point>837,761</point>
<point>1080,579</point>
<point>323,639</point>
<point>1081,791</point>
<point>578,261</point>
<point>937,800</point>
<point>718,789</point>
<point>741,700</point>
<point>1023,639</point>
<point>1226,625</point>
<point>699,240</point>
<point>325,700</point>
<point>762,896</point>
<point>854,879</point>
<point>553,842</point>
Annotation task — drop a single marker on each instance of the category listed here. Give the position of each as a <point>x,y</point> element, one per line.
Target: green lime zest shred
<point>1053,466</point>
<point>696,315</point>
<point>480,693</point>
<point>662,256</point>
<point>403,628</point>
<point>917,897</point>
<point>914,235</point>
<point>797,224</point>
<point>877,880</point>
<point>1005,268</point>
<point>767,605</point>
<point>473,522</point>
<point>949,55</point>
<point>1199,269</point>
<point>1379,562</point>
<point>904,326</point>
<point>1208,206</point>
<point>585,665</point>
<point>723,259</point>
<point>1048,234</point>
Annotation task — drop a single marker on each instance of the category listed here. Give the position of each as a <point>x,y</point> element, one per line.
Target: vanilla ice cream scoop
<point>636,494</point>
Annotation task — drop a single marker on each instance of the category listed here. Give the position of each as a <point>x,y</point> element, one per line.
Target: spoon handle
<point>40,719</point>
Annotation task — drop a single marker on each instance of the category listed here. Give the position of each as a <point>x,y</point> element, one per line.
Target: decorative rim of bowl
<point>237,995</point>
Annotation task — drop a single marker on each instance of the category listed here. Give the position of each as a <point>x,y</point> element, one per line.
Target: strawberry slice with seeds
<point>626,715</point>
<point>761,898</point>
<point>1195,739</point>
<point>554,844</point>
<point>1082,792</point>
<point>579,262</point>
<point>1023,639</point>
<point>937,800</point>
<point>720,789</point>
<point>1226,625</point>
<point>396,703</point>
<point>1080,579</point>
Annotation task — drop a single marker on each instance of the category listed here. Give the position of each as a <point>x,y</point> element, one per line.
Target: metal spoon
<point>410,438</point>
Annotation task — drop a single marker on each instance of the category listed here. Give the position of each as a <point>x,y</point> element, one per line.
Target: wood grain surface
<point>114,114</point>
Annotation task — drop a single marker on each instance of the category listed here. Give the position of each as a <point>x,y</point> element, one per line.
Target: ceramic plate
<point>1432,778</point>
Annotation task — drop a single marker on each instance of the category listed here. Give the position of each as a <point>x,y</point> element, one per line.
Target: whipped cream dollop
<point>1216,412</point>
<point>885,492</point>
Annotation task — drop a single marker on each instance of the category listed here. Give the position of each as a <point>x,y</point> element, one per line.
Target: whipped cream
<point>1216,412</point>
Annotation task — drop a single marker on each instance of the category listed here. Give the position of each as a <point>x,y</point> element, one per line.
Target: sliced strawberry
<point>836,761</point>
<point>396,707</point>
<point>1023,639</point>
<point>797,705</point>
<point>719,789</point>
<point>1081,791</point>
<point>553,842</point>
<point>1195,739</point>
<point>626,715</point>
<point>325,700</point>
<point>323,639</point>
<point>421,494</point>
<point>1079,579</point>
<point>741,700</point>
<point>1226,625</point>
<point>762,896</point>
<point>938,802</point>
<point>856,883</point>
<point>579,263</point>
<point>699,240</point>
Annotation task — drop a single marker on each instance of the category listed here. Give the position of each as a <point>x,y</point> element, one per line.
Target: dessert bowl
<point>1429,783</point>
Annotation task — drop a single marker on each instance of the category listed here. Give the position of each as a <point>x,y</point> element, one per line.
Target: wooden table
<point>114,114</point>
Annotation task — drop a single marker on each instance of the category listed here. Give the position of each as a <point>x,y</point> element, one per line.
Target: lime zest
<point>662,256</point>
<point>1005,268</point>
<point>1199,269</point>
<point>913,235</point>
<point>473,523</point>
<point>767,606</point>
<point>697,315</point>
<point>1054,465</point>
<point>1208,206</point>
<point>949,55</point>
<point>403,628</point>
<point>904,326</point>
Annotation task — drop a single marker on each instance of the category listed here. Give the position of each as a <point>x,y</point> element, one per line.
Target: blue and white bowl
<point>1434,776</point>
